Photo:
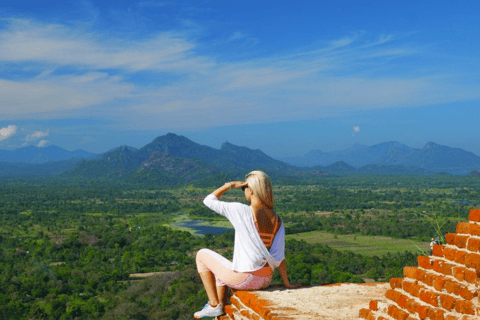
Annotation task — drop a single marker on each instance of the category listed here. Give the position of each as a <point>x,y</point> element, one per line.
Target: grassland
<point>366,245</point>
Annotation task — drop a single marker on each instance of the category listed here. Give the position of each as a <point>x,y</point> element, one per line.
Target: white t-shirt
<point>249,251</point>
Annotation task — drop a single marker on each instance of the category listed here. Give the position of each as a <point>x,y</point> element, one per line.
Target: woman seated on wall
<point>259,244</point>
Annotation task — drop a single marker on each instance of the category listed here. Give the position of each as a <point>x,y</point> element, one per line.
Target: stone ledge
<point>333,302</point>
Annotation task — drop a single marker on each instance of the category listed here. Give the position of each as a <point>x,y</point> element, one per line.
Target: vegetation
<point>68,247</point>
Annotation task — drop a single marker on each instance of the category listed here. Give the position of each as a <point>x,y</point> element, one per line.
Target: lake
<point>200,228</point>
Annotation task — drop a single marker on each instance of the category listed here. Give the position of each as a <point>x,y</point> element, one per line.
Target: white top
<point>249,251</point>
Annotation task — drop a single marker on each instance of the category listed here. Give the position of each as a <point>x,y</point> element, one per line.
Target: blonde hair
<point>261,186</point>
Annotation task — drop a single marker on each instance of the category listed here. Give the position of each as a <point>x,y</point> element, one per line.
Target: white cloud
<point>36,135</point>
<point>7,132</point>
<point>206,91</point>
<point>42,143</point>
<point>356,129</point>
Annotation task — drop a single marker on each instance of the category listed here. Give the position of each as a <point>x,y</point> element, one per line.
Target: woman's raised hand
<point>237,184</point>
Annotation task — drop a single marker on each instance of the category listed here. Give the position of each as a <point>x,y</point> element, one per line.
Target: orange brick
<point>438,250</point>
<point>429,279</point>
<point>412,288</point>
<point>424,262</point>
<point>460,256</point>
<point>474,229</point>
<point>373,305</point>
<point>420,275</point>
<point>396,283</point>
<point>450,317</point>
<point>470,276</point>
<point>371,316</point>
<point>422,311</point>
<point>461,241</point>
<point>452,287</point>
<point>459,273</point>
<point>474,215</point>
<point>438,283</point>
<point>463,227</point>
<point>429,297</point>
<point>437,266</point>
<point>466,294</point>
<point>409,272</point>
<point>447,269</point>
<point>447,302</point>
<point>436,314</point>
<point>396,313</point>
<point>473,244</point>
<point>464,307</point>
<point>450,238</point>
<point>472,260</point>
<point>449,253</point>
<point>411,306</point>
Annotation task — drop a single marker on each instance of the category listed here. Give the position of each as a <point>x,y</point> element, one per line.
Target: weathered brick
<point>464,307</point>
<point>437,266</point>
<point>438,283</point>
<point>447,302</point>
<point>450,238</point>
<point>460,256</point>
<point>452,287</point>
<point>422,311</point>
<point>424,262</point>
<point>397,313</point>
<point>474,229</point>
<point>396,283</point>
<point>373,305</point>
<point>473,244</point>
<point>392,295</point>
<point>419,275</point>
<point>438,250</point>
<point>470,276</point>
<point>474,215</point>
<point>409,272</point>
<point>461,241</point>
<point>466,294</point>
<point>472,260</point>
<point>450,317</point>
<point>436,314</point>
<point>447,269</point>
<point>463,227</point>
<point>459,273</point>
<point>411,306</point>
<point>449,253</point>
<point>411,287</point>
<point>429,297</point>
<point>429,279</point>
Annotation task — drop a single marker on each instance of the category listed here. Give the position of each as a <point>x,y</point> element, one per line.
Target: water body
<point>202,229</point>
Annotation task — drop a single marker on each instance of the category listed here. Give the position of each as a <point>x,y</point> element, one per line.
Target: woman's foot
<point>209,311</point>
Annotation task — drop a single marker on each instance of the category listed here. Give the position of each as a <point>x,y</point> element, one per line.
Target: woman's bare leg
<point>222,294</point>
<point>208,279</point>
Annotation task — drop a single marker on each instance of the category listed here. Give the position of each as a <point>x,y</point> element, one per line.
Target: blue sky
<point>280,76</point>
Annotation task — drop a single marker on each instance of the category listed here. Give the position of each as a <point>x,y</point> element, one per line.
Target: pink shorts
<point>222,268</point>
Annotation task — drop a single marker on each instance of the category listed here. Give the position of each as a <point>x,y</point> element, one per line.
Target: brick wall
<point>444,286</point>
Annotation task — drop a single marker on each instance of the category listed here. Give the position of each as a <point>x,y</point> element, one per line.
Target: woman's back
<point>267,223</point>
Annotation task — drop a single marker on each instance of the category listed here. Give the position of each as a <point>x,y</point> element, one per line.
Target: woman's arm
<point>232,184</point>
<point>282,269</point>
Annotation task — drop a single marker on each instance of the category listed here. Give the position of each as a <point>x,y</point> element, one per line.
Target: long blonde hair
<point>261,186</point>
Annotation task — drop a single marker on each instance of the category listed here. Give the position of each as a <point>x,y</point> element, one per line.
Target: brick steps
<point>444,286</point>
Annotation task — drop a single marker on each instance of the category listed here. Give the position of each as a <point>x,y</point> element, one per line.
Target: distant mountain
<point>174,159</point>
<point>35,155</point>
<point>20,169</point>
<point>431,158</point>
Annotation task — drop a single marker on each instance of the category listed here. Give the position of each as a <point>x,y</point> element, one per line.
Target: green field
<point>366,245</point>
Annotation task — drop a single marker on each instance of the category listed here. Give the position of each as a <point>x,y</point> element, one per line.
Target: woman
<point>259,244</point>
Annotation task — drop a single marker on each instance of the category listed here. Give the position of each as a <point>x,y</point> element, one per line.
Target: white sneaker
<point>209,311</point>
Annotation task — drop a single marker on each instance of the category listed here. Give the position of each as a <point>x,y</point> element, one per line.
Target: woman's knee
<point>200,258</point>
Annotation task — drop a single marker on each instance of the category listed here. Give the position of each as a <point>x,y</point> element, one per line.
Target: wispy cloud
<point>189,89</point>
<point>7,132</point>
<point>36,135</point>
<point>42,143</point>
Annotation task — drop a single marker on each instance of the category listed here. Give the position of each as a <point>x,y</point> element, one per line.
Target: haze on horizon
<point>279,76</point>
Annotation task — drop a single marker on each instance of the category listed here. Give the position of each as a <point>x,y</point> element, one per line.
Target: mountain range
<point>432,157</point>
<point>173,159</point>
